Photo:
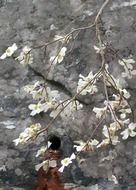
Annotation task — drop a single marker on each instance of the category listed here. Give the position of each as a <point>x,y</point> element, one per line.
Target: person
<point>50,180</point>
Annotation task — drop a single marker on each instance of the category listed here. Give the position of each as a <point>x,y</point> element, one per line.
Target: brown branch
<point>98,73</point>
<point>77,29</point>
<point>72,99</point>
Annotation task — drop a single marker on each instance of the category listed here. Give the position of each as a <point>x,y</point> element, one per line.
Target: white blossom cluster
<point>50,100</point>
<point>127,64</point>
<point>85,146</point>
<point>99,49</point>
<point>37,90</point>
<point>59,57</point>
<point>29,133</point>
<point>109,134</point>
<point>129,131</point>
<point>116,106</point>
<point>9,51</point>
<point>87,84</point>
<point>47,98</point>
<point>66,161</point>
<point>25,56</point>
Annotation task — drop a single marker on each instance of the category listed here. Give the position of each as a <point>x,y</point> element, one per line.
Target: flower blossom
<point>85,85</point>
<point>109,133</point>
<point>126,94</point>
<point>99,49</point>
<point>128,67</point>
<point>37,94</point>
<point>81,145</point>
<point>48,99</point>
<point>46,165</point>
<point>59,58</point>
<point>28,133</point>
<point>43,149</point>
<point>124,112</point>
<point>9,51</point>
<point>66,161</point>
<point>25,56</point>
<point>117,103</point>
<point>99,111</point>
<point>85,146</point>
<point>129,131</point>
<point>37,108</point>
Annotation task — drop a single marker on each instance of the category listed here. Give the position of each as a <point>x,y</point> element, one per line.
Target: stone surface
<point>35,22</point>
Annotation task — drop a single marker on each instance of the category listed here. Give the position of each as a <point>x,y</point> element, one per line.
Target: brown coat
<point>51,179</point>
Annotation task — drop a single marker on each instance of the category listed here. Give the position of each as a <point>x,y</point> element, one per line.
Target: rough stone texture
<point>34,22</point>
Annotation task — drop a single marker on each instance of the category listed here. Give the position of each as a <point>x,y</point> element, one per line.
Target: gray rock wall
<point>34,22</point>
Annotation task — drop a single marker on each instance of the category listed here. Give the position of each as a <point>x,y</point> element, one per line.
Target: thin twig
<point>98,73</point>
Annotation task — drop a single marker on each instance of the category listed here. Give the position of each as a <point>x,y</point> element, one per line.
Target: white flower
<point>81,145</point>
<point>105,131</point>
<point>126,94</point>
<point>127,61</point>
<point>25,56</point>
<point>65,162</point>
<point>124,112</point>
<point>59,58</point>
<point>37,90</point>
<point>16,141</point>
<point>128,67</point>
<point>28,133</point>
<point>36,126</point>
<point>26,49</point>
<point>115,140</point>
<point>109,133</point>
<point>99,49</point>
<point>43,149</point>
<point>103,143</point>
<point>85,146</point>
<point>28,88</point>
<point>99,111</point>
<point>52,163</point>
<point>3,168</point>
<point>52,94</point>
<point>128,73</point>
<point>37,108</point>
<point>84,81</point>
<point>129,131</point>
<point>9,51</point>
<point>44,94</point>
<point>55,112</point>
<point>113,178</point>
<point>44,163</point>
<point>94,142</point>
<point>115,126</point>
<point>117,103</point>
